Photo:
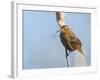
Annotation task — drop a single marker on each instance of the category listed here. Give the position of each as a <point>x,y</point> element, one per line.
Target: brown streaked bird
<point>69,40</point>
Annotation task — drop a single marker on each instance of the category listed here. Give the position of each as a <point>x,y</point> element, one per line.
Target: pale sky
<point>41,50</point>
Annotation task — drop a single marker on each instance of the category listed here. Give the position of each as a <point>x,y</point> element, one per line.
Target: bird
<point>70,41</point>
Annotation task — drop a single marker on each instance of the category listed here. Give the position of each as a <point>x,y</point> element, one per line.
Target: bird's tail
<point>81,51</point>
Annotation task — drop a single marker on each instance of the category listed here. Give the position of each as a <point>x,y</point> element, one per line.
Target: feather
<point>69,39</point>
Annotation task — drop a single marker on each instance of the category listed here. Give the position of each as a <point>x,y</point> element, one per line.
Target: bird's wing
<point>70,37</point>
<point>70,32</point>
<point>73,41</point>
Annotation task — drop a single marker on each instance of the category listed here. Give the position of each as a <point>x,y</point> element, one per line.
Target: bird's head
<point>64,28</point>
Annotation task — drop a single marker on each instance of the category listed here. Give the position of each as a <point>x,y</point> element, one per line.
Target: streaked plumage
<point>69,40</point>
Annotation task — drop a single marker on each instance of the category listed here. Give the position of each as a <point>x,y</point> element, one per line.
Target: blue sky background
<point>40,49</point>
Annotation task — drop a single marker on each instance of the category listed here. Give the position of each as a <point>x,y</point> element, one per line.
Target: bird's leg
<point>66,53</point>
<point>67,57</point>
